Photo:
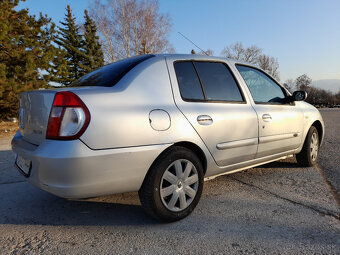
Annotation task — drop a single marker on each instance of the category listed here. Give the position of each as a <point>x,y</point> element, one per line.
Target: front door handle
<point>204,120</point>
<point>267,117</point>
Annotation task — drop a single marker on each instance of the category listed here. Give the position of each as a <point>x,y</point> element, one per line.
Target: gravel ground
<point>276,208</point>
<point>7,129</point>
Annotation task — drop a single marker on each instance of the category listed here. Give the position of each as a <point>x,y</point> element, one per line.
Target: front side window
<point>262,88</point>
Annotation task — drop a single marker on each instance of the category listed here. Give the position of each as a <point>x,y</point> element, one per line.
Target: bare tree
<point>130,27</point>
<point>154,29</point>
<point>303,82</point>
<point>290,85</point>
<point>237,51</point>
<point>269,64</point>
<point>253,55</point>
<point>208,52</point>
<point>337,98</point>
<point>106,29</point>
<point>316,96</point>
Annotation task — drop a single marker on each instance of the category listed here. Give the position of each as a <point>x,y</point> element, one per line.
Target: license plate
<point>23,164</point>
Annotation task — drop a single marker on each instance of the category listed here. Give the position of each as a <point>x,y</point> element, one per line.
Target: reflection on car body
<point>159,125</point>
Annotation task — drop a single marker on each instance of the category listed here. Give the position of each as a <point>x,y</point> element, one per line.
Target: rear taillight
<point>69,117</point>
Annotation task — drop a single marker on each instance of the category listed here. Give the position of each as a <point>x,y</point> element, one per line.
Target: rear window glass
<point>188,81</point>
<point>109,75</point>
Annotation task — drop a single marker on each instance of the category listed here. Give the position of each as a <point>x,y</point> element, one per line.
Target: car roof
<point>202,57</point>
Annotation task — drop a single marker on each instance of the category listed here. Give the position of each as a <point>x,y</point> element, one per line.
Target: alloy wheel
<point>179,185</point>
<point>314,146</point>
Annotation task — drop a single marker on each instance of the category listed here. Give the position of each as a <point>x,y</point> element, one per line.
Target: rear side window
<point>188,81</point>
<point>207,81</point>
<point>110,75</point>
<point>218,82</point>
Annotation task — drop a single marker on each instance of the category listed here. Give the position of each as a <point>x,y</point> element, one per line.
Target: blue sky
<point>303,34</point>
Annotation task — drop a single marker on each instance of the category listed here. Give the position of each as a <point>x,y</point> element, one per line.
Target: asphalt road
<point>329,160</point>
<point>276,208</point>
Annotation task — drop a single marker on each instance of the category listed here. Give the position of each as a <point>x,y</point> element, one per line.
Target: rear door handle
<point>267,117</point>
<point>204,120</point>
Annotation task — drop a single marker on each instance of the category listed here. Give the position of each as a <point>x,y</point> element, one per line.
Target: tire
<point>173,185</point>
<point>310,150</point>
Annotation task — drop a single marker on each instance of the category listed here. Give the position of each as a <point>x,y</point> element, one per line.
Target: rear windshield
<point>109,75</point>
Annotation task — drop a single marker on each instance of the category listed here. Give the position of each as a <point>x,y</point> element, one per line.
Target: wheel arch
<point>197,150</point>
<point>317,124</point>
<point>191,146</point>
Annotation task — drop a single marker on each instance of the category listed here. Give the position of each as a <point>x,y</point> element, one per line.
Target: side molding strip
<point>273,138</point>
<point>235,144</point>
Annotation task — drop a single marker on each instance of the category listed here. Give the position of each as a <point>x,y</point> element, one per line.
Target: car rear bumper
<point>72,170</point>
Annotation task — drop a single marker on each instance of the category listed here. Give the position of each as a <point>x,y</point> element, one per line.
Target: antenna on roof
<point>193,43</point>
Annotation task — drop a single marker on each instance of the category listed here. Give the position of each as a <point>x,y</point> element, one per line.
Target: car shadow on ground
<point>40,208</point>
<point>21,203</point>
<point>285,163</point>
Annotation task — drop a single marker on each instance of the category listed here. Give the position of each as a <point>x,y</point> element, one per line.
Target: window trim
<point>205,100</point>
<point>271,78</point>
<point>199,80</point>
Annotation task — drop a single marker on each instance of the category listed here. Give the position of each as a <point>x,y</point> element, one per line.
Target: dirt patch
<point>8,128</point>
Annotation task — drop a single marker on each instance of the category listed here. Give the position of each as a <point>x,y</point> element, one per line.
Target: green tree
<point>58,69</point>
<point>93,53</point>
<point>26,50</point>
<point>71,42</point>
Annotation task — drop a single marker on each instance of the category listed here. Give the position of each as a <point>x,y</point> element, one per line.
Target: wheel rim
<point>314,146</point>
<point>179,185</point>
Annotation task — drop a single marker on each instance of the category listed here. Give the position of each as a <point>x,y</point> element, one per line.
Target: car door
<point>280,121</point>
<point>209,96</point>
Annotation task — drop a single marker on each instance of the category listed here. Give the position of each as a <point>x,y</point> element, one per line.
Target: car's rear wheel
<point>310,150</point>
<point>173,185</point>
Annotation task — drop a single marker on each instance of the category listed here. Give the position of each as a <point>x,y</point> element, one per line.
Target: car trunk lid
<point>34,111</point>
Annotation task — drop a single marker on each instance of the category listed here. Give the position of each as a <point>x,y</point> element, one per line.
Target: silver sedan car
<point>161,125</point>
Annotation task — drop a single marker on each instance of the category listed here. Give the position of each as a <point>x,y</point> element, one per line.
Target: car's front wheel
<point>310,150</point>
<point>173,185</point>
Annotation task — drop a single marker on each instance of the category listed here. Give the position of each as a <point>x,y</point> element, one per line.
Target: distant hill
<point>332,85</point>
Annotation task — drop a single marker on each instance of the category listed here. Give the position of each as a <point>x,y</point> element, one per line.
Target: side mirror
<point>299,95</point>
